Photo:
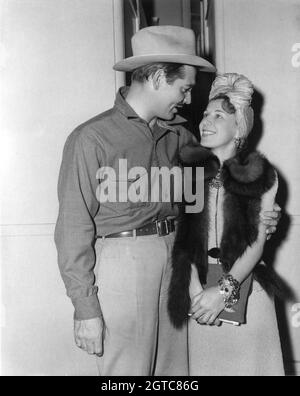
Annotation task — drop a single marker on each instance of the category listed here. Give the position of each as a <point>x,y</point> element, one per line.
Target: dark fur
<point>246,178</point>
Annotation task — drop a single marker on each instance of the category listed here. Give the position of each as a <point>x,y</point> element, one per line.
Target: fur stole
<point>246,177</point>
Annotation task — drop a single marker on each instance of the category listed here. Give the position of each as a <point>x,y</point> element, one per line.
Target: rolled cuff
<point>87,307</point>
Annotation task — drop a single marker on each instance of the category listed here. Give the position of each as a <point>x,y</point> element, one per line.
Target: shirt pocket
<point>138,191</point>
<point>132,193</point>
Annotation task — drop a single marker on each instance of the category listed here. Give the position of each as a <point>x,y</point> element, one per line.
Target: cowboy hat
<point>172,44</point>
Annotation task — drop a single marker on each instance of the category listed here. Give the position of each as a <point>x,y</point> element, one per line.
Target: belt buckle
<point>159,228</point>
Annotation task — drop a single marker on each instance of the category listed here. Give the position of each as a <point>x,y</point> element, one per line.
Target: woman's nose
<point>206,121</point>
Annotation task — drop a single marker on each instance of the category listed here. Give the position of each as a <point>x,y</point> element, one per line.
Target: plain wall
<point>257,38</point>
<point>56,72</point>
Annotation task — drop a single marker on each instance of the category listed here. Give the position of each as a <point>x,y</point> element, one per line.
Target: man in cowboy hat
<point>122,315</point>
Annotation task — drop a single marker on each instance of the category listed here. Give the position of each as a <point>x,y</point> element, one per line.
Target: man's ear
<point>158,79</point>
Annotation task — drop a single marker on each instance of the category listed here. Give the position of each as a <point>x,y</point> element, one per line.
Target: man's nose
<point>187,98</point>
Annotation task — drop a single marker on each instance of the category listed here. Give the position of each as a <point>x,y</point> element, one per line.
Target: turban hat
<point>239,91</point>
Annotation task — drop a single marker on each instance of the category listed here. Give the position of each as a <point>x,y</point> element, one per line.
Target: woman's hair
<point>172,71</point>
<point>236,91</point>
<point>226,104</point>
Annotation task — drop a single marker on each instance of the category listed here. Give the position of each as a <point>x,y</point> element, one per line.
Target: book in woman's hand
<point>237,314</point>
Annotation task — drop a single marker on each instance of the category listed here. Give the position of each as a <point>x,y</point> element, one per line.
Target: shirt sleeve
<point>75,228</point>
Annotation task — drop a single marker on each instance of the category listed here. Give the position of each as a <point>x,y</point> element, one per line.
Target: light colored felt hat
<point>172,44</point>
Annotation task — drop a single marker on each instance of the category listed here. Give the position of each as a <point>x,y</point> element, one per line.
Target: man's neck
<point>139,100</point>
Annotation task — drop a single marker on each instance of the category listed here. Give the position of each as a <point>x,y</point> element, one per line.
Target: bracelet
<point>230,290</point>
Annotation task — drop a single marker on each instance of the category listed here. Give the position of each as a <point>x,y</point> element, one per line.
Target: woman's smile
<point>207,132</point>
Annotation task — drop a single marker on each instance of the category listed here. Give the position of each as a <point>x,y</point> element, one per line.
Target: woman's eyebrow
<point>214,111</point>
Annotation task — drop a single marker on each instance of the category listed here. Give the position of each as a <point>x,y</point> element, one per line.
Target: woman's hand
<point>207,305</point>
<point>195,286</point>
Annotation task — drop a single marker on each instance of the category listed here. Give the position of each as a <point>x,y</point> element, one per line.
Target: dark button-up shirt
<point>116,134</point>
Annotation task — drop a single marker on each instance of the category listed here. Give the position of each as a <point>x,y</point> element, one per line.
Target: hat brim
<point>133,62</point>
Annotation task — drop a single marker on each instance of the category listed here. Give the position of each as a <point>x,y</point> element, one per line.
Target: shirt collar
<point>122,105</point>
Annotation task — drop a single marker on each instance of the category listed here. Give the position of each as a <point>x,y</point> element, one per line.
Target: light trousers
<point>133,276</point>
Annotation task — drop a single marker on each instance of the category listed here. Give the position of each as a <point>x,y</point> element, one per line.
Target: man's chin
<point>167,117</point>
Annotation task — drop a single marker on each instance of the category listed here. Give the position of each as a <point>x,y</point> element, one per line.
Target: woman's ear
<point>237,130</point>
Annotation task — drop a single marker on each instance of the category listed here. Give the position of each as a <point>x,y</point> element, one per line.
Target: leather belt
<point>159,227</point>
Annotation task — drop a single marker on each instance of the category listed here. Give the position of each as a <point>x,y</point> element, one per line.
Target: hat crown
<point>163,40</point>
<point>171,44</point>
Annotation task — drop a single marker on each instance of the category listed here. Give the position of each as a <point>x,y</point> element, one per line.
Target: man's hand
<point>271,219</point>
<point>89,335</point>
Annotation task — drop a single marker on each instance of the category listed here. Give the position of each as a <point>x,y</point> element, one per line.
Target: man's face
<point>172,96</point>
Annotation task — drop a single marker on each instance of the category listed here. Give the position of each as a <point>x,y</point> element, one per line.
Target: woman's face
<point>218,128</point>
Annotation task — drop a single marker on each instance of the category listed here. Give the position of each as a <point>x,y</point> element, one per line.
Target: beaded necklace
<point>216,183</point>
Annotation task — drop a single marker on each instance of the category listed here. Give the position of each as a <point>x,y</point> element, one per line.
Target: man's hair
<point>172,71</point>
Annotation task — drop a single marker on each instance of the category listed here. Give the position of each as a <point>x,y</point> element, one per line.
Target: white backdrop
<point>261,39</point>
<point>56,72</point>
